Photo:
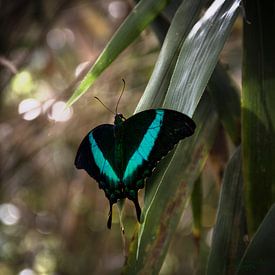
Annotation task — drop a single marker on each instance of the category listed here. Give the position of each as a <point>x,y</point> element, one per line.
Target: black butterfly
<point>120,156</point>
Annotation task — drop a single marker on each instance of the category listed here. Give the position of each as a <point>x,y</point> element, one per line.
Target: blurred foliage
<point>258,111</point>
<point>53,217</point>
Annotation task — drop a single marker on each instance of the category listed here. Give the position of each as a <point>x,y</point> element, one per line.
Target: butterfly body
<point>121,156</point>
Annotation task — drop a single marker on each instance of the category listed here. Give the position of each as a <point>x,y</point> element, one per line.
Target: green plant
<point>184,79</point>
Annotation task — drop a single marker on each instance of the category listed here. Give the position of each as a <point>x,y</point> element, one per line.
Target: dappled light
<point>22,83</point>
<point>27,271</point>
<point>79,69</point>
<point>58,38</point>
<point>29,108</point>
<point>117,9</point>
<point>9,214</point>
<point>60,112</point>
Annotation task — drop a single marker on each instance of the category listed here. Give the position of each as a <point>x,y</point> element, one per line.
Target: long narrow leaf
<point>199,55</point>
<point>142,15</point>
<point>258,110</point>
<point>162,218</point>
<point>162,208</point>
<point>260,254</point>
<point>227,101</point>
<point>182,95</point>
<point>227,245</point>
<point>181,25</point>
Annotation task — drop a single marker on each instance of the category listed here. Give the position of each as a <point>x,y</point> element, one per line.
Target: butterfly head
<point>119,119</point>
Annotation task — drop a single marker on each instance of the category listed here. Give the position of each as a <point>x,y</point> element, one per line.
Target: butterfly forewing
<point>154,132</point>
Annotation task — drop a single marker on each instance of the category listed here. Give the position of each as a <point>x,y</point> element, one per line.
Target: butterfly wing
<point>150,136</point>
<point>147,137</point>
<point>96,155</point>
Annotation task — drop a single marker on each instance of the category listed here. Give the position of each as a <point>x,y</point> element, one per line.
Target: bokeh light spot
<point>9,214</point>
<point>70,38</point>
<point>45,263</point>
<point>117,9</point>
<point>29,108</point>
<point>80,68</point>
<point>60,112</point>
<point>22,83</point>
<point>56,39</point>
<point>27,271</point>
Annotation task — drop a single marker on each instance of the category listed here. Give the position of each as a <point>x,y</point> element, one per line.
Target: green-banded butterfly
<point>121,156</point>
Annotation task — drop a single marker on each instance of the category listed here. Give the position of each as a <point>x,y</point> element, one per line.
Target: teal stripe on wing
<point>145,147</point>
<point>102,163</point>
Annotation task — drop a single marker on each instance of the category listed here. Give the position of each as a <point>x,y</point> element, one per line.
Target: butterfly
<point>122,155</point>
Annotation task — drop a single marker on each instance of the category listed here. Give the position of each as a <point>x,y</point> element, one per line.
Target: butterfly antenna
<point>122,91</point>
<point>104,105</point>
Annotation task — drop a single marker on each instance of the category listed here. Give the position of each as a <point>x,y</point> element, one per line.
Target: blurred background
<point>53,217</point>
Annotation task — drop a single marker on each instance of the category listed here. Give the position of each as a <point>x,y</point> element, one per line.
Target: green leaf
<point>227,102</point>
<point>156,90</point>
<point>199,55</point>
<point>227,244</point>
<point>258,110</point>
<point>260,254</point>
<point>166,190</point>
<point>143,13</point>
<point>162,216</point>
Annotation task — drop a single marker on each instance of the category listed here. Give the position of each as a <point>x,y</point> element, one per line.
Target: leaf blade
<point>259,256</point>
<point>181,24</point>
<point>227,245</point>
<point>227,101</point>
<point>158,224</point>
<point>140,17</point>
<point>154,239</point>
<point>199,56</point>
<point>258,115</point>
